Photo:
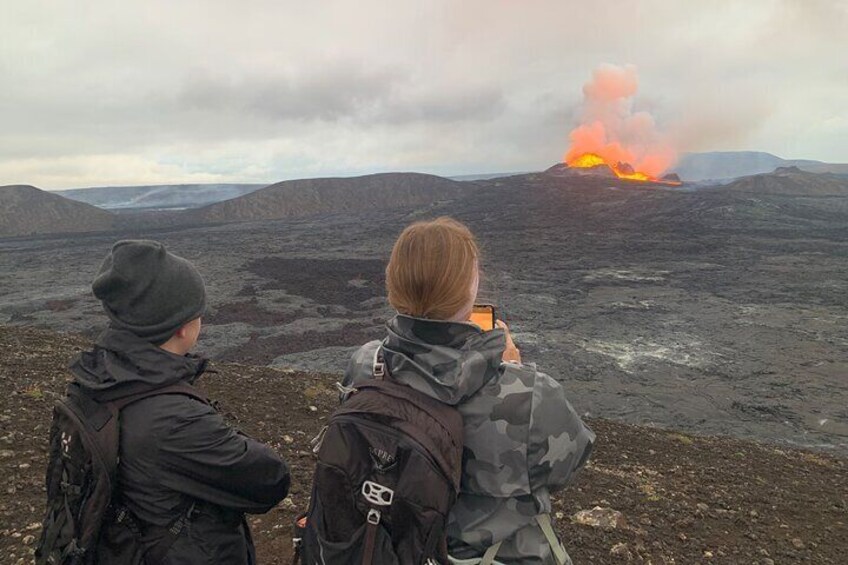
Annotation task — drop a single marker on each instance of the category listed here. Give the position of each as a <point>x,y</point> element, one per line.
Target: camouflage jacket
<point>523,440</point>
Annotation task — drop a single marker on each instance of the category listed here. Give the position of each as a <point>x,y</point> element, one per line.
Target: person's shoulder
<point>526,375</point>
<point>508,395</point>
<point>168,407</point>
<point>521,385</point>
<point>150,423</point>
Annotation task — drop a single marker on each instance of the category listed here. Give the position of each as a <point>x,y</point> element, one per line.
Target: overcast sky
<point>103,92</point>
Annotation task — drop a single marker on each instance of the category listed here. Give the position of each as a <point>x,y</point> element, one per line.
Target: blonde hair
<point>432,269</point>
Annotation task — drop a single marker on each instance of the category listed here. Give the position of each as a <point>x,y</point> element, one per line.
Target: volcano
<point>593,165</point>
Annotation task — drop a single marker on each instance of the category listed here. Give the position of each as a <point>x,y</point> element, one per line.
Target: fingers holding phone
<point>484,316</point>
<point>511,353</point>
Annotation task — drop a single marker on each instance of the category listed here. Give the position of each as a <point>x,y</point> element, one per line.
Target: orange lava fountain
<point>621,170</point>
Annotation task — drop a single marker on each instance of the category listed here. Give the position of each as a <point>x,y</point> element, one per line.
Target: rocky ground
<point>648,496</point>
<point>712,312</point>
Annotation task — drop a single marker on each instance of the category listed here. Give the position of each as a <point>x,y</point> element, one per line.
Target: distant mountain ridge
<point>26,210</point>
<point>382,191</point>
<point>726,165</point>
<point>161,197</point>
<point>790,181</point>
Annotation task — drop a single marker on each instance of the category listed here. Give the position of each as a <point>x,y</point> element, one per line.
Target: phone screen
<point>483,315</point>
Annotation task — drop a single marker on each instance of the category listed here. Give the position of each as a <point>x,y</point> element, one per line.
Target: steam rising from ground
<point>611,129</point>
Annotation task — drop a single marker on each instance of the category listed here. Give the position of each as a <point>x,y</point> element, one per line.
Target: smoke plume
<point>611,129</point>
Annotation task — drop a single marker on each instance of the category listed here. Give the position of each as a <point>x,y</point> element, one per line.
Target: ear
<point>182,331</point>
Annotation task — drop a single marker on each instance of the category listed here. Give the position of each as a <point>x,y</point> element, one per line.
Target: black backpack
<point>388,473</point>
<point>82,473</point>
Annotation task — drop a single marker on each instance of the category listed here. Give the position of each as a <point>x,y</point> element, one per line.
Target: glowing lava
<point>587,160</point>
<point>621,170</point>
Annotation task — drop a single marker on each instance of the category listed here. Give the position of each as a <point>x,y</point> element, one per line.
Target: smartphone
<point>483,315</point>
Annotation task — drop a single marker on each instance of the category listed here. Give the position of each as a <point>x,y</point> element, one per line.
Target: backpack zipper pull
<point>318,440</point>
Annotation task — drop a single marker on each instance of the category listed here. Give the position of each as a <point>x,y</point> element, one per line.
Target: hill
<point>26,210</point>
<point>297,198</point>
<point>30,211</point>
<point>723,165</point>
<point>790,181</point>
<point>681,499</point>
<point>161,197</point>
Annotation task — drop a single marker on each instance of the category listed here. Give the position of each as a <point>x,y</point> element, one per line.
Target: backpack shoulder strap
<point>544,521</point>
<point>561,556</point>
<point>489,557</point>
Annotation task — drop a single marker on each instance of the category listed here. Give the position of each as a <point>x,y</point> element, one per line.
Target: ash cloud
<point>609,126</point>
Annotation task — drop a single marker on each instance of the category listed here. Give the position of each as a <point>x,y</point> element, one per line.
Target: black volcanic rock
<point>625,168</point>
<point>671,177</point>
<point>558,169</point>
<point>563,170</point>
<point>298,198</point>
<point>26,210</point>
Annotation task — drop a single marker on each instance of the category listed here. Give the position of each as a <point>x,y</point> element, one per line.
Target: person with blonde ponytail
<point>522,438</point>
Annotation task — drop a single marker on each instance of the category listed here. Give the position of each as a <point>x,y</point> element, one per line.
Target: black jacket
<point>177,450</point>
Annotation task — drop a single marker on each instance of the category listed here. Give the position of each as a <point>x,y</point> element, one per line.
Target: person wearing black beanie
<point>182,468</point>
<point>148,291</point>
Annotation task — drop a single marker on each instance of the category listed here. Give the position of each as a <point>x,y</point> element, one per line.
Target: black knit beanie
<point>148,291</point>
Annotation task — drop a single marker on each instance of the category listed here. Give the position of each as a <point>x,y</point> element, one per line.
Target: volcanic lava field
<point>709,311</point>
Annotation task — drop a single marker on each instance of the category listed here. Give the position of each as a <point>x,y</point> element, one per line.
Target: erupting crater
<point>622,170</point>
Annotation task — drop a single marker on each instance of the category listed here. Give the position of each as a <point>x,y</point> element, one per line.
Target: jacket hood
<point>122,363</point>
<point>449,361</point>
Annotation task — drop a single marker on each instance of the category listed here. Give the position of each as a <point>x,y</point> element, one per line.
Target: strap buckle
<point>373,517</point>
<point>378,368</point>
<point>377,494</point>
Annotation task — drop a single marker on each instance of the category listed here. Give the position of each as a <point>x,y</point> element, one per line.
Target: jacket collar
<point>121,363</point>
<point>448,360</point>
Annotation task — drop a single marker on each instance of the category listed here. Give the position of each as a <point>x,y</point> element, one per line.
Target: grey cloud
<point>337,93</point>
<point>323,94</point>
<point>448,106</point>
